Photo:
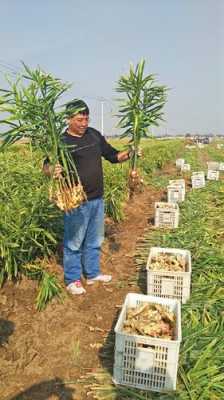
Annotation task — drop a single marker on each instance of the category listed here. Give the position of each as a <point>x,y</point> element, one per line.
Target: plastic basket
<point>178,182</point>
<point>180,162</point>
<point>213,165</point>
<point>212,175</point>
<point>145,362</point>
<point>221,166</point>
<point>198,173</point>
<point>198,180</point>
<point>175,193</point>
<point>166,215</point>
<point>185,167</point>
<point>169,284</point>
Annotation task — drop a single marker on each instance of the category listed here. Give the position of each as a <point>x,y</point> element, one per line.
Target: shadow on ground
<point>45,390</point>
<point>6,330</point>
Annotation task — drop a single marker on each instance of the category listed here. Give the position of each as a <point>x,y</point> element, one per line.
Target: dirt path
<point>41,350</point>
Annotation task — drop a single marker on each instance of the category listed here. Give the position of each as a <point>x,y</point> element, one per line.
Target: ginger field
<point>54,346</point>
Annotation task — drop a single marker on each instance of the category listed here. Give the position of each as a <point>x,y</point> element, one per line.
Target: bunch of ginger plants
<point>30,104</point>
<point>139,110</point>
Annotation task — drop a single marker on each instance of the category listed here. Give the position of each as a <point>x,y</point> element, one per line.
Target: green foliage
<point>30,226</point>
<point>48,288</point>
<point>196,158</point>
<point>215,154</point>
<point>115,190</point>
<point>157,153</point>
<point>30,105</point>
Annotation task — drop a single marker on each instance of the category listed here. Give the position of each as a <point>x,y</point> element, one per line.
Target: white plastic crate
<point>198,180</point>
<point>146,362</point>
<point>169,284</point>
<point>198,173</point>
<point>221,166</point>
<point>179,182</point>
<point>185,167</point>
<point>180,162</point>
<point>212,175</point>
<point>175,193</point>
<point>166,215</point>
<point>213,165</point>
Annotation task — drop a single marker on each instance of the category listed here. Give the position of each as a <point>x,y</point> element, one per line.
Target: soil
<point>44,355</point>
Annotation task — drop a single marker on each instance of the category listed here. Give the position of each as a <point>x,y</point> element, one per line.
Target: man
<point>84,225</point>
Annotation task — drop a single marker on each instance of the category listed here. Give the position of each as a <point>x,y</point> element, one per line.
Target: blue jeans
<point>83,236</point>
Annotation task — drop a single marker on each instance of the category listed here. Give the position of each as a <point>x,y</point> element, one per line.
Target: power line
<point>9,67</point>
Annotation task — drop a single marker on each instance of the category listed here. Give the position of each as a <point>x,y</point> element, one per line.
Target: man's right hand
<point>57,172</point>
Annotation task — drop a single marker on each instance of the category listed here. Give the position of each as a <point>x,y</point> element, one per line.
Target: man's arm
<point>111,154</point>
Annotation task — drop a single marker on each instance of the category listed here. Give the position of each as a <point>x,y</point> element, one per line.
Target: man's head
<point>76,106</point>
<point>78,116</point>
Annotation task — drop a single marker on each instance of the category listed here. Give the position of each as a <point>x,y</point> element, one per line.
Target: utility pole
<point>102,111</point>
<point>102,101</point>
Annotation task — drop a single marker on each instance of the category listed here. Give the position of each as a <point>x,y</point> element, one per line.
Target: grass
<point>76,352</point>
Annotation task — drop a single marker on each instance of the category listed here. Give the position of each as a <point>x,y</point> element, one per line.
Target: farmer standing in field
<point>84,225</point>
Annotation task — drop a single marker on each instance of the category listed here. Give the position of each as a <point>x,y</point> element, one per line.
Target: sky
<point>91,44</point>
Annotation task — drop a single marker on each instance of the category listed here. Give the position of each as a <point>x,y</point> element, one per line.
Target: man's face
<point>78,123</point>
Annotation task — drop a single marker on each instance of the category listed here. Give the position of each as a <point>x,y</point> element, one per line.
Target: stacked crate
<point>179,182</point>
<point>221,166</point>
<point>166,215</point>
<point>198,180</point>
<point>212,175</point>
<point>185,168</point>
<point>175,194</point>
<point>146,362</point>
<point>180,162</point>
<point>213,165</point>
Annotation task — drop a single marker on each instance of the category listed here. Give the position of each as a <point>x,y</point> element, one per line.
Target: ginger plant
<point>139,110</point>
<point>31,113</point>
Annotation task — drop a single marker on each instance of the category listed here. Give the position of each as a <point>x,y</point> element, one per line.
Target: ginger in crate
<point>150,319</point>
<point>168,262</point>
